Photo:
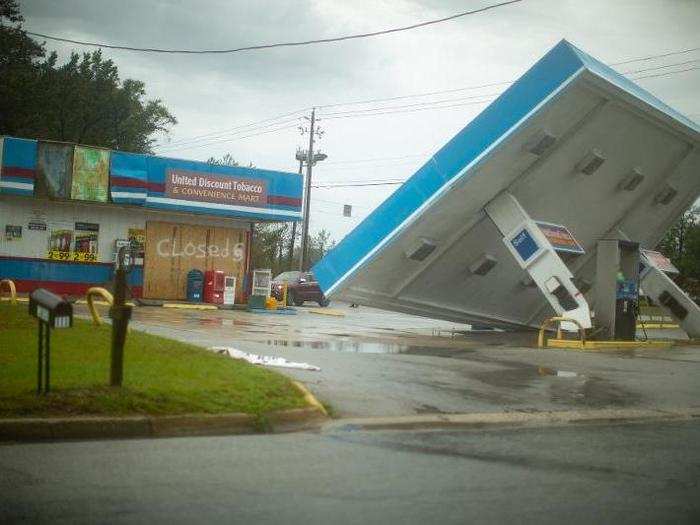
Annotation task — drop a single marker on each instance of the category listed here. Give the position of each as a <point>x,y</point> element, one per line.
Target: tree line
<point>85,101</point>
<point>82,100</point>
<point>681,244</point>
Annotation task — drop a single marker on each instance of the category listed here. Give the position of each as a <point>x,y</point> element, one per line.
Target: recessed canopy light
<point>631,181</point>
<point>483,265</point>
<point>666,195</point>
<point>421,250</point>
<point>589,164</point>
<point>540,143</point>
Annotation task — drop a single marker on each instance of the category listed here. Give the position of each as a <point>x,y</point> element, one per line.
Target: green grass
<point>161,376</point>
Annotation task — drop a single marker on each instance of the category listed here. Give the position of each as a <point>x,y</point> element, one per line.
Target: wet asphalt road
<point>572,474</point>
<point>377,363</point>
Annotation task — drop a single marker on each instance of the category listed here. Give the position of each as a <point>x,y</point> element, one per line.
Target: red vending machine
<point>214,286</point>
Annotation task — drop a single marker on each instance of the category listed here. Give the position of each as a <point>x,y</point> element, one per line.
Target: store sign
<point>659,261</point>
<point>85,246</point>
<point>59,255</point>
<point>207,187</point>
<point>37,225</point>
<point>56,255</point>
<point>13,232</point>
<point>87,226</point>
<point>60,241</point>
<point>560,238</point>
<point>137,243</point>
<point>524,244</point>
<point>65,245</point>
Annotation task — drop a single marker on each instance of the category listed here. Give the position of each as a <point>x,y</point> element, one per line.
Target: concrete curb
<point>512,419</point>
<point>38,429</point>
<point>310,398</point>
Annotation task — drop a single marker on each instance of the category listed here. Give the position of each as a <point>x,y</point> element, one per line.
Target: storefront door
<point>173,249</point>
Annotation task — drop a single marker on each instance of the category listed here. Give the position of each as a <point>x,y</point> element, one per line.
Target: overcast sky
<point>214,93</point>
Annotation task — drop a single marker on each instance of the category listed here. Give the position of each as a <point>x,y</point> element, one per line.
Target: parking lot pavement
<point>376,363</point>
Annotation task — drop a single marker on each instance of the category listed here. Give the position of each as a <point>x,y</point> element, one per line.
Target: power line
<point>378,111</point>
<point>213,134</point>
<point>389,110</point>
<point>695,61</point>
<point>410,110</point>
<point>652,57</point>
<point>353,161</point>
<point>366,112</point>
<point>275,45</point>
<point>365,167</point>
<point>415,104</point>
<point>358,184</point>
<point>371,112</point>
<point>345,181</point>
<point>493,84</point>
<point>669,73</point>
<point>233,136</point>
<point>416,95</point>
<point>390,161</point>
<point>236,138</point>
<point>425,94</point>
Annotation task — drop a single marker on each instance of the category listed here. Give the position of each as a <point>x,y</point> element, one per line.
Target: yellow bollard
<point>92,292</point>
<point>540,337</point>
<point>13,290</point>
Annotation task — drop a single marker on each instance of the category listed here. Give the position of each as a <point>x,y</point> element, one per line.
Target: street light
<point>303,154</point>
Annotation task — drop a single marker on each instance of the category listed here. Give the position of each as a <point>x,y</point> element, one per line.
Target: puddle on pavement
<point>380,347</point>
<point>222,321</point>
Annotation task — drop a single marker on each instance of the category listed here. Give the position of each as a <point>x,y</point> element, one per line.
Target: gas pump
<point>617,289</point>
<point>658,285</point>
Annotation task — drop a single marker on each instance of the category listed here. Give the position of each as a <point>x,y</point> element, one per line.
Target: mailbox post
<point>52,311</point>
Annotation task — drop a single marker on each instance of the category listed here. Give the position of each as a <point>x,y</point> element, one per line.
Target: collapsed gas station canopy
<point>572,153</point>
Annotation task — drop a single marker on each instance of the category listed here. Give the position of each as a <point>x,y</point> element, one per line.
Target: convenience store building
<point>65,210</point>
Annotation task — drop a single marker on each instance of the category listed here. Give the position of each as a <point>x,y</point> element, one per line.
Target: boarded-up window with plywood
<point>172,250</point>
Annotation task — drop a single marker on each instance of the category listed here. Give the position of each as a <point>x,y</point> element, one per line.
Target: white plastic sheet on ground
<point>265,360</point>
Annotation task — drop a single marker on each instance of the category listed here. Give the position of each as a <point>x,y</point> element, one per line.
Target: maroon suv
<point>301,286</point>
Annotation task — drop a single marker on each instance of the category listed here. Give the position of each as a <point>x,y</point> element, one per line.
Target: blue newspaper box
<point>195,286</point>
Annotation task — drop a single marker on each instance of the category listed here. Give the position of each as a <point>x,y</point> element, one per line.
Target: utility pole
<point>294,223</point>
<point>307,193</point>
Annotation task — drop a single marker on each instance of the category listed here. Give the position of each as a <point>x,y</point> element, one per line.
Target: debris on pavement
<point>544,371</point>
<point>264,360</point>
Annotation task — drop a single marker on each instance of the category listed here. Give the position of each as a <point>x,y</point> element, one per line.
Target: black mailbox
<point>52,311</point>
<point>50,308</point>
